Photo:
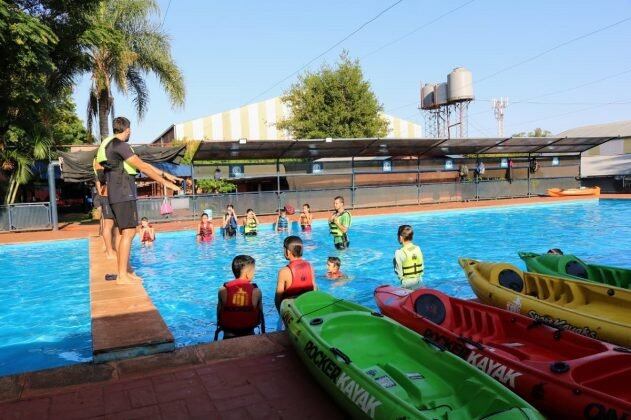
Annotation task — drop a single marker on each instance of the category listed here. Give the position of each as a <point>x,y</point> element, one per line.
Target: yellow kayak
<point>591,309</point>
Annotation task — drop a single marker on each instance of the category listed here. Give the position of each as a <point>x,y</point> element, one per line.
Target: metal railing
<point>25,216</point>
<point>37,216</point>
<point>189,207</point>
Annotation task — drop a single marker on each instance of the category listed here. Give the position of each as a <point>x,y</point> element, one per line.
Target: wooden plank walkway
<point>125,323</point>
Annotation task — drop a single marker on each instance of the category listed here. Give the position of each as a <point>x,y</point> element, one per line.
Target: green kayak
<point>572,267</point>
<point>375,368</point>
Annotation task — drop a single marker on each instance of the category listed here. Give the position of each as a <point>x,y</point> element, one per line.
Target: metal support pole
<point>278,182</point>
<point>52,192</point>
<point>418,179</point>
<point>528,172</point>
<point>478,178</point>
<point>353,182</point>
<point>192,189</point>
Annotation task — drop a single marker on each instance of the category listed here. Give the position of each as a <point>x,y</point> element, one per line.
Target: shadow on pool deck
<point>248,377</point>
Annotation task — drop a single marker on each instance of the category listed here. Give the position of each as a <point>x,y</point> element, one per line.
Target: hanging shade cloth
<point>77,166</point>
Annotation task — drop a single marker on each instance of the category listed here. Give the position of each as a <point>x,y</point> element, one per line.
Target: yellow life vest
<point>334,229</point>
<point>101,158</point>
<point>412,266</point>
<point>250,226</point>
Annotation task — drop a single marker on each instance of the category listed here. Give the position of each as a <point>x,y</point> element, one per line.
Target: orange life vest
<point>301,278</point>
<point>238,311</point>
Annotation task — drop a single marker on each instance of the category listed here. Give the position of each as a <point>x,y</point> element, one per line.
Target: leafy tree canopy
<point>334,102</point>
<point>537,132</point>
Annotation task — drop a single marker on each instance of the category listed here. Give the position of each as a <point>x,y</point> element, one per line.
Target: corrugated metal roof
<point>614,129</point>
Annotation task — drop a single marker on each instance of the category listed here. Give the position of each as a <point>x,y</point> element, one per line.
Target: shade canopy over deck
<point>422,147</point>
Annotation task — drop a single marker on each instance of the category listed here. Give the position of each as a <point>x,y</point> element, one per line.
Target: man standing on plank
<point>121,165</point>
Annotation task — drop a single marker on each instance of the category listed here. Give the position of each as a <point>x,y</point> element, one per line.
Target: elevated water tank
<point>440,94</point>
<point>427,96</point>
<point>460,85</point>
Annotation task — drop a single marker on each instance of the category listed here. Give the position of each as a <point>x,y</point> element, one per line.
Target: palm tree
<point>126,45</point>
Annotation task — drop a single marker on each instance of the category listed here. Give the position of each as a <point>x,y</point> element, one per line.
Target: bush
<point>216,185</point>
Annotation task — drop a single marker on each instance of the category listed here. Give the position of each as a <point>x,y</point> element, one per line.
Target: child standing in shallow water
<point>306,217</point>
<point>282,223</point>
<point>205,229</point>
<point>147,234</point>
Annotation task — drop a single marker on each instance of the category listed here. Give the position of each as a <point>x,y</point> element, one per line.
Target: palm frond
<point>137,84</point>
<point>92,111</point>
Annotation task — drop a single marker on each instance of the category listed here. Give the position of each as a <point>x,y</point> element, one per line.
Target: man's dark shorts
<point>125,214</point>
<point>106,209</point>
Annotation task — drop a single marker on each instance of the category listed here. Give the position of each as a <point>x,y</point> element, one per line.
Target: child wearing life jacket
<point>333,265</point>
<point>230,223</point>
<point>147,234</point>
<point>306,217</point>
<point>239,304</point>
<point>297,277</point>
<point>205,229</point>
<point>282,222</point>
<point>408,260</point>
<point>250,223</point>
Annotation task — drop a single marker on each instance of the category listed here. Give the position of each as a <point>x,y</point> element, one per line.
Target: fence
<point>37,216</point>
<point>25,216</point>
<point>267,202</point>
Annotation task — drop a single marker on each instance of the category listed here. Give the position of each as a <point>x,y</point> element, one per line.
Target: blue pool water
<point>183,277</point>
<point>44,306</point>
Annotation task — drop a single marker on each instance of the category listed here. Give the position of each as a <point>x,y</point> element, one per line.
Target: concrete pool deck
<point>267,381</point>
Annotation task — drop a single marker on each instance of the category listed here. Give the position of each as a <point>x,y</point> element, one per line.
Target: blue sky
<point>229,52</point>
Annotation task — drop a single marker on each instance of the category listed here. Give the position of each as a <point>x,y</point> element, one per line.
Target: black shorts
<point>106,209</point>
<point>125,214</point>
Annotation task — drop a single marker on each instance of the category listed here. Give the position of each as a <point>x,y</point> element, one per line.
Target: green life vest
<point>412,266</point>
<point>101,158</point>
<point>250,226</point>
<point>335,230</point>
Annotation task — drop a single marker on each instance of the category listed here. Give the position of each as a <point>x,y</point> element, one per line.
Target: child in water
<point>205,229</point>
<point>230,223</point>
<point>250,223</point>
<point>333,272</point>
<point>147,234</point>
<point>282,223</point>
<point>306,217</point>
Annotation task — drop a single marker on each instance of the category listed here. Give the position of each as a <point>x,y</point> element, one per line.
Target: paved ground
<point>264,386</point>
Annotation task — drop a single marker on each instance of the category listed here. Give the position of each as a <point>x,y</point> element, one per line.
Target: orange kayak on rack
<point>558,192</point>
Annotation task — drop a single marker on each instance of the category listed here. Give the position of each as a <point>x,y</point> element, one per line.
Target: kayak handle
<point>622,349</point>
<point>475,344</point>
<point>339,353</point>
<point>435,344</point>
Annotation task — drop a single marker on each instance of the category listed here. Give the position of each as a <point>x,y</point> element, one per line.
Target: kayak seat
<point>405,382</point>
<point>575,268</point>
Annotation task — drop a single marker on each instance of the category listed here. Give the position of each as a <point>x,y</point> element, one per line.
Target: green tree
<point>42,50</point>
<point>215,185</point>
<point>129,46</point>
<point>537,132</point>
<point>334,102</point>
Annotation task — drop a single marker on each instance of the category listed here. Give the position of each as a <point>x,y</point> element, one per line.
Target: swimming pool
<point>44,306</point>
<point>183,277</point>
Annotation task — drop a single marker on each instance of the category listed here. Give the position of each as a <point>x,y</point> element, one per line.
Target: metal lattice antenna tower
<point>499,105</point>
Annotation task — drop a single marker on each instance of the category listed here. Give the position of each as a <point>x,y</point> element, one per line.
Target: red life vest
<point>301,278</point>
<point>206,231</point>
<point>146,236</point>
<point>238,312</point>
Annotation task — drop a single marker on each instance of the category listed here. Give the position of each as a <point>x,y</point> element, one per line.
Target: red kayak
<point>563,374</point>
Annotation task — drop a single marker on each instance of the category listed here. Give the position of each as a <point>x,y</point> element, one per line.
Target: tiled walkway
<point>272,386</point>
